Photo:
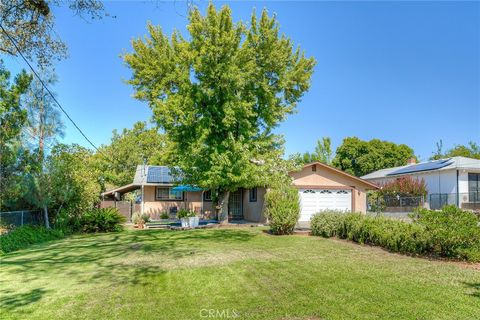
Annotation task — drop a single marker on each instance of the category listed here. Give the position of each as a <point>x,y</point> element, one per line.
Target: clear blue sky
<point>407,72</point>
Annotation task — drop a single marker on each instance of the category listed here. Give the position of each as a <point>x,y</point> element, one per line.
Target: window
<point>207,195</point>
<point>314,167</point>
<point>167,194</point>
<point>252,194</point>
<point>474,187</point>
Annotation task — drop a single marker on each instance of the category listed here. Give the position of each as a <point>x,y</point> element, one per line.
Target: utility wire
<point>46,88</point>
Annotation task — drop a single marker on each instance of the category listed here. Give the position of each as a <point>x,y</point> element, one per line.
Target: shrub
<point>102,220</point>
<point>185,213</point>
<point>404,187</point>
<point>452,232</point>
<point>164,215</point>
<point>137,217</point>
<point>394,235</point>
<point>376,201</point>
<point>282,209</point>
<point>327,223</point>
<point>24,236</point>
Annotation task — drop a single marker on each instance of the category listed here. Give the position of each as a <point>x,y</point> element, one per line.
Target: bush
<point>164,215</point>
<point>184,213</point>
<point>102,220</point>
<point>282,209</point>
<point>328,223</point>
<point>22,237</point>
<point>394,235</point>
<point>137,217</point>
<point>451,233</point>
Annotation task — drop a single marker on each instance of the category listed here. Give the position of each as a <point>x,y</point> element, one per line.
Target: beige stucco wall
<point>253,211</point>
<point>325,177</point>
<point>192,201</point>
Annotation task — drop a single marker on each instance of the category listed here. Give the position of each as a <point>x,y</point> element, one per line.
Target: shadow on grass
<point>10,301</point>
<point>116,258</point>
<point>475,288</point>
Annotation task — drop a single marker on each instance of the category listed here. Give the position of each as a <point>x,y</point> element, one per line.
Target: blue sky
<point>407,72</point>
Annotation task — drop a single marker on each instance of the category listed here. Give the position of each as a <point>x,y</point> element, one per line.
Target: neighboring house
<point>449,181</point>
<point>320,187</point>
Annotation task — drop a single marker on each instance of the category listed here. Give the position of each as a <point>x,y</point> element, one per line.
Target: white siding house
<point>449,181</point>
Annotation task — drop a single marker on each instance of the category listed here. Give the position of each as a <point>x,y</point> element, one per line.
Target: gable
<point>326,176</point>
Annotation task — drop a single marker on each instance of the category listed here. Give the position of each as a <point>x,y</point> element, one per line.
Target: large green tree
<point>218,94</point>
<point>360,157</point>
<point>68,181</point>
<point>14,159</point>
<point>118,160</point>
<point>44,124</point>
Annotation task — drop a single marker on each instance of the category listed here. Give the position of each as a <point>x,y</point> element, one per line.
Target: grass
<point>243,273</point>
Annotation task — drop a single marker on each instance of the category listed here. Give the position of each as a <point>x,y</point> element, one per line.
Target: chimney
<point>411,161</point>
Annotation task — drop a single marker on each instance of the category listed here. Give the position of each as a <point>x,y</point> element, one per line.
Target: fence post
<point>21,224</point>
<point>131,211</point>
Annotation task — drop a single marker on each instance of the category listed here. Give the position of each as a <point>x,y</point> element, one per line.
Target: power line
<point>46,88</point>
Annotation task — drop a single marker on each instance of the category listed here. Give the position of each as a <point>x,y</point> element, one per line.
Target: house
<point>320,187</point>
<point>454,180</point>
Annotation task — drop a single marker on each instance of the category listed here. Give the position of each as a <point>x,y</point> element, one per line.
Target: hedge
<point>25,236</point>
<point>451,233</point>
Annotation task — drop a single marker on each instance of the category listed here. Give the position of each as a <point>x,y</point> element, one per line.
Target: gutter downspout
<point>201,208</point>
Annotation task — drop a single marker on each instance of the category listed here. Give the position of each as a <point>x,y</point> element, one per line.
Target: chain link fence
<point>21,218</point>
<point>433,201</point>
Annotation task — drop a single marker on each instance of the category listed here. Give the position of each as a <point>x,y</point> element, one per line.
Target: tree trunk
<point>45,216</point>
<point>222,207</point>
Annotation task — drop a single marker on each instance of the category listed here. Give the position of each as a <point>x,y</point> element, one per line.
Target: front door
<point>235,211</point>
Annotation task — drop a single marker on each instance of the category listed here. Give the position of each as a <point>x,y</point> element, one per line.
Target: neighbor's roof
<point>461,163</point>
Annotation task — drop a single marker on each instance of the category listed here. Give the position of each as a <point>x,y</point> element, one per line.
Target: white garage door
<point>315,200</point>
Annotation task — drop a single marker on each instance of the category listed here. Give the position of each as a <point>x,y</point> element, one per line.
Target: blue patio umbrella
<point>185,188</point>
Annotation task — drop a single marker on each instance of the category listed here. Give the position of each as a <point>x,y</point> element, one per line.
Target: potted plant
<point>187,218</point>
<point>182,214</point>
<point>193,220</point>
<point>140,219</point>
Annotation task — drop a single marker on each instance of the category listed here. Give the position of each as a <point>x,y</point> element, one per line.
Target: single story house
<point>320,187</point>
<point>454,180</point>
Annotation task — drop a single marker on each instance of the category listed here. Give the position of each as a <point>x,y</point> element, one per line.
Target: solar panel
<point>159,175</point>
<point>432,165</point>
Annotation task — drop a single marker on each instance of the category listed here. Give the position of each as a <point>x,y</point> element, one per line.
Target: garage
<point>315,200</point>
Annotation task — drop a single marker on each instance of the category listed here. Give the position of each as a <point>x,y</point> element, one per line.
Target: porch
<point>162,201</point>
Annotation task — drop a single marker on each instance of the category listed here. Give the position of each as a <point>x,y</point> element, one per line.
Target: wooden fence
<point>126,208</point>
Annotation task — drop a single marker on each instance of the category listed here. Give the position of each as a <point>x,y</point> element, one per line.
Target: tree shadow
<point>10,301</point>
<point>475,288</point>
<point>100,257</point>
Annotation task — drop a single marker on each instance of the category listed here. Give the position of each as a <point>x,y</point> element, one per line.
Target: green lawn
<point>240,272</point>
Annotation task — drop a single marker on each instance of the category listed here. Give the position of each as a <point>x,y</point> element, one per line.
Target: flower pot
<point>185,222</point>
<point>193,222</point>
